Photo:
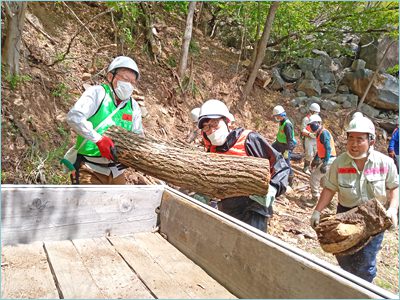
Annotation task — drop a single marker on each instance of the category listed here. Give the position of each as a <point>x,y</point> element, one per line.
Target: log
<point>348,232</point>
<point>215,175</point>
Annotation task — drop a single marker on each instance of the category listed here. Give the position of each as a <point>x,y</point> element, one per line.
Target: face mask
<point>314,127</point>
<point>218,137</point>
<point>357,157</point>
<point>277,119</point>
<point>123,90</point>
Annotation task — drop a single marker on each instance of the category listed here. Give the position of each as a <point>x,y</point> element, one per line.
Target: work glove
<point>266,200</point>
<point>314,221</point>
<point>315,162</point>
<point>323,168</point>
<point>392,214</point>
<point>392,154</point>
<point>106,147</point>
<point>286,154</point>
<point>312,135</point>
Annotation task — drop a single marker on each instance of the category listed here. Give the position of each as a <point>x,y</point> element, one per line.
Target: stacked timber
<point>214,175</point>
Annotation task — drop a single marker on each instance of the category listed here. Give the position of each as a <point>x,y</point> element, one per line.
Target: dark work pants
<point>363,262</point>
<point>281,148</point>
<point>247,210</point>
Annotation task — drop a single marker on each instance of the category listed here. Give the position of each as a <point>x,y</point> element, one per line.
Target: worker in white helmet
<point>254,210</point>
<point>358,175</point>
<point>324,157</point>
<point>285,141</point>
<point>308,137</point>
<point>357,114</point>
<point>98,108</point>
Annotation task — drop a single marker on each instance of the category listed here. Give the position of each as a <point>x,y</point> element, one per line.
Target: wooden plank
<point>109,271</point>
<point>54,213</point>
<point>162,284</point>
<point>166,271</point>
<point>190,276</point>
<point>74,280</point>
<point>248,262</point>
<point>25,273</point>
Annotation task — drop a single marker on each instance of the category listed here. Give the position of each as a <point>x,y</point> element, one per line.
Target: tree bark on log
<point>215,175</point>
<point>348,232</point>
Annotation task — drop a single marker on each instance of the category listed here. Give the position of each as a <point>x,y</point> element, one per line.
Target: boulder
<point>277,82</point>
<point>324,74</point>
<point>310,87</point>
<point>369,111</point>
<point>372,53</point>
<point>358,64</point>
<point>291,74</point>
<point>329,105</point>
<point>346,104</point>
<point>383,93</point>
<point>339,98</point>
<point>308,64</point>
<point>343,89</point>
<point>300,94</point>
<point>298,101</point>
<point>328,89</point>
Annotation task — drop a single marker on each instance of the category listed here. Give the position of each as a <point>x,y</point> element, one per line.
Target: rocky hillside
<point>35,134</point>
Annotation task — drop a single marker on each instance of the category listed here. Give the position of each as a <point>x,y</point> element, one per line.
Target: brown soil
<point>35,134</point>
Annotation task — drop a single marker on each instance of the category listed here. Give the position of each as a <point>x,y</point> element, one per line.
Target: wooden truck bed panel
<point>143,265</point>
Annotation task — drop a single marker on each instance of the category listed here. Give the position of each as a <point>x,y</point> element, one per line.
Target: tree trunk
<point>215,175</point>
<point>262,45</point>
<point>348,232</point>
<point>186,39</point>
<point>15,19</point>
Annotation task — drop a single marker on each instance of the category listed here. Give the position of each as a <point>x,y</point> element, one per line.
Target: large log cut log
<point>215,175</point>
<point>348,232</point>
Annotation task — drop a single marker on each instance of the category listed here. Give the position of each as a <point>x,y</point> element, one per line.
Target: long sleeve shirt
<point>394,142</point>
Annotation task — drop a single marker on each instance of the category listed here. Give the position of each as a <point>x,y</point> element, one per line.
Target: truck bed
<point>142,265</point>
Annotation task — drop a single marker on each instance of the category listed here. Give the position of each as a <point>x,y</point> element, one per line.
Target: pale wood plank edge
<point>53,273</point>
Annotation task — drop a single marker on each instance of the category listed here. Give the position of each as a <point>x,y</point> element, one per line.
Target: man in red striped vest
<point>326,154</point>
<point>214,119</point>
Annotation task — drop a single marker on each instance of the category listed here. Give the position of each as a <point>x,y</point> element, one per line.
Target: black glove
<point>323,168</point>
<point>315,162</point>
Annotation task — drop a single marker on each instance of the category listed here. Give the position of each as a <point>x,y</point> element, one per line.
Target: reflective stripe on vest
<point>239,148</point>
<point>320,147</point>
<point>122,118</point>
<point>281,136</point>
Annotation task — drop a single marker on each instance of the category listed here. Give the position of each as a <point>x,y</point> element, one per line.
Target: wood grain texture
<point>215,175</point>
<point>25,273</point>
<point>248,264</point>
<point>54,213</point>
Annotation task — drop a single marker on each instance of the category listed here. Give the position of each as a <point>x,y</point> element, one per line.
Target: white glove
<point>312,135</point>
<point>286,154</point>
<point>392,213</point>
<point>314,221</point>
<point>266,200</point>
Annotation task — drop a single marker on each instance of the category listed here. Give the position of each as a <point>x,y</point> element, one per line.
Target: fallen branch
<point>42,32</point>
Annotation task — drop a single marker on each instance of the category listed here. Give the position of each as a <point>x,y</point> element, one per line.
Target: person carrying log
<point>308,137</point>
<point>255,210</point>
<point>285,141</point>
<point>100,107</point>
<point>359,175</point>
<point>326,154</point>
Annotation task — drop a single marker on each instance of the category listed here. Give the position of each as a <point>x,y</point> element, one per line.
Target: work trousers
<point>88,176</point>
<point>310,148</point>
<point>317,178</point>
<point>247,210</point>
<point>363,262</point>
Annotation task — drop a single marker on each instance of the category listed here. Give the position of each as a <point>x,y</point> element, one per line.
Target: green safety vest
<point>281,136</point>
<point>122,118</point>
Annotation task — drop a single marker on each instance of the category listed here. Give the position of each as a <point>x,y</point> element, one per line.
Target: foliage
<point>61,91</point>
<point>171,61</point>
<point>394,71</point>
<point>194,47</point>
<point>14,80</point>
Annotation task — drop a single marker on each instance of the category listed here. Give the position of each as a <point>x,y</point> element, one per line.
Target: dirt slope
<point>35,134</point>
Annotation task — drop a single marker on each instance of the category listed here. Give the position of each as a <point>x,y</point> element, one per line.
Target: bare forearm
<point>393,197</point>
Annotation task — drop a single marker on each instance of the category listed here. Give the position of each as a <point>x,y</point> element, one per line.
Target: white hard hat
<point>124,62</point>
<point>314,118</point>
<point>195,114</point>
<point>357,115</point>
<point>278,110</point>
<point>315,107</point>
<point>213,109</point>
<point>362,125</point>
<point>231,118</point>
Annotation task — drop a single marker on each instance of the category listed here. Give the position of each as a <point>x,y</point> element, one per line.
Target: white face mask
<point>358,157</point>
<point>218,137</point>
<point>124,90</point>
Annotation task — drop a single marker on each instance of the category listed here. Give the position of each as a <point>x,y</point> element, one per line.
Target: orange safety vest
<point>238,149</point>
<point>320,147</point>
